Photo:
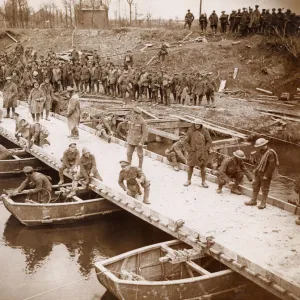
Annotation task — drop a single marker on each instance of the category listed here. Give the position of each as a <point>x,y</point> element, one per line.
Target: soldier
<point>125,85</point>
<point>198,89</point>
<point>245,19</point>
<point>273,21</point>
<point>95,77</point>
<point>198,144</point>
<point>189,18</point>
<point>36,102</point>
<point>144,83</point>
<point>47,89</point>
<point>70,161</point>
<point>297,191</point>
<point>74,55</point>
<point>232,20</point>
<point>85,78</point>
<point>22,127</point>
<point>268,22</point>
<point>176,153</point>
<point>56,77</point>
<point>154,87</point>
<point>77,76</point>
<point>128,60</point>
<point>203,22</point>
<point>214,21</point>
<point>10,93</point>
<point>87,171</point>
<point>26,82</point>
<point>163,52</point>
<point>73,114</point>
<point>112,80</point>
<point>19,49</point>
<point>232,171</point>
<point>211,86</point>
<point>37,135</point>
<point>96,57</point>
<point>262,22</point>
<point>184,92</point>
<point>40,184</point>
<point>267,162</point>
<point>104,80</point>
<point>224,21</point>
<point>137,135</point>
<point>135,179</point>
<point>280,21</point>
<point>103,128</point>
<point>122,129</point>
<point>166,85</point>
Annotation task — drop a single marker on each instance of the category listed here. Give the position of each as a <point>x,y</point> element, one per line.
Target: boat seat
<point>77,199</point>
<point>16,157</point>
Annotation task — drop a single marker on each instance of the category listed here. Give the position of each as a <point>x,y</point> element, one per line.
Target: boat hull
<point>61,213</point>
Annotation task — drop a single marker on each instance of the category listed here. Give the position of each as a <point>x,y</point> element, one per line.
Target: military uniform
<point>203,22</point>
<point>137,136</point>
<point>224,21</point>
<point>41,187</point>
<point>231,168</point>
<point>131,174</point>
<point>38,135</point>
<point>214,22</point>
<point>103,128</point>
<point>4,153</point>
<point>189,18</point>
<point>47,89</point>
<point>69,160</point>
<point>210,91</point>
<point>176,155</point>
<point>122,130</point>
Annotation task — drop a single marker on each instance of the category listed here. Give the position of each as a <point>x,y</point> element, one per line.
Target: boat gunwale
<point>101,266</point>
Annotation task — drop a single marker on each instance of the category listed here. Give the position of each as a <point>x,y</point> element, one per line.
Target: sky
<point>170,9</point>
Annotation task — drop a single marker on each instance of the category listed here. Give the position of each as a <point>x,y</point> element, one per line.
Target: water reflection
<point>85,243</point>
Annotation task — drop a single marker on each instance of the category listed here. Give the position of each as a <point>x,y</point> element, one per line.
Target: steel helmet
<point>239,154</point>
<point>261,142</point>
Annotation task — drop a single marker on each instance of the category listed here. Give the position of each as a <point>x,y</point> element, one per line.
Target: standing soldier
<point>280,21</point>
<point>85,78</point>
<point>262,22</point>
<point>77,76</point>
<point>74,55</point>
<point>198,89</point>
<point>166,84</point>
<point>198,143</point>
<point>10,93</point>
<point>73,114</point>
<point>137,135</point>
<point>154,87</point>
<point>95,77</point>
<point>47,89</point>
<point>174,87</point>
<point>56,77</point>
<point>70,161</point>
<point>36,102</point>
<point>266,163</point>
<point>112,80</point>
<point>273,21</point>
<point>104,80</point>
<point>211,86</point>
<point>203,22</point>
<point>125,85</point>
<point>135,179</point>
<point>232,20</point>
<point>163,52</point>
<point>26,82</point>
<point>128,60</point>
<point>176,154</point>
<point>214,21</point>
<point>224,21</point>
<point>268,22</point>
<point>237,21</point>
<point>189,18</point>
<point>245,19</point>
<point>232,171</point>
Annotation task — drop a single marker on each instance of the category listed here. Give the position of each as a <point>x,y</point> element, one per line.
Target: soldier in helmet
<point>177,154</point>
<point>224,22</point>
<point>40,185</point>
<point>232,171</point>
<point>265,164</point>
<point>135,179</point>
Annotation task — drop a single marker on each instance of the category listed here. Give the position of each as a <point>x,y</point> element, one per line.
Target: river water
<point>35,260</point>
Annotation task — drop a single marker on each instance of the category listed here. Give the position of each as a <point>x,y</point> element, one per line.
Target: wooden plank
<point>163,134</point>
<point>264,91</point>
<point>281,117</point>
<point>11,37</point>
<point>149,62</point>
<point>197,268</point>
<point>222,85</point>
<point>148,114</point>
<point>100,101</point>
<point>268,102</point>
<point>235,73</point>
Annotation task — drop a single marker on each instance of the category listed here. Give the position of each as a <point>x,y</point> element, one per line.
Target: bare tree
<point>130,2</point>
<point>92,2</point>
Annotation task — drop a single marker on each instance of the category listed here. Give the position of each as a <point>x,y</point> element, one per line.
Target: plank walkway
<point>263,246</point>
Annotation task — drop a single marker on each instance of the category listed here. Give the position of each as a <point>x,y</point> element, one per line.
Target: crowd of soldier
<point>246,21</point>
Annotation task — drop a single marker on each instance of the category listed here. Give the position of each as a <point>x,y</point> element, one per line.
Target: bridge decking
<point>264,246</point>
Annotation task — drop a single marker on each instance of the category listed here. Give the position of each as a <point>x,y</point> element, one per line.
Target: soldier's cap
<point>70,89</point>
<point>72,144</point>
<point>279,9</point>
<point>264,9</point>
<point>244,8</point>
<point>85,150</point>
<point>256,5</point>
<point>234,11</point>
<point>28,169</point>
<point>137,110</point>
<point>124,162</point>
<point>223,11</point>
<point>267,10</point>
<point>189,10</point>
<point>250,8</point>
<point>273,9</point>
<point>8,78</point>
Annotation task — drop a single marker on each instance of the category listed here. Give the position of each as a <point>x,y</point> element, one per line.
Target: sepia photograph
<point>149,150</point>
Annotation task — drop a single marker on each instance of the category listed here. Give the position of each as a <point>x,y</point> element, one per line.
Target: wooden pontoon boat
<point>18,161</point>
<point>59,209</point>
<point>168,270</point>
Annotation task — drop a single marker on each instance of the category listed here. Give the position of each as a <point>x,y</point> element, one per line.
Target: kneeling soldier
<point>135,179</point>
<point>37,135</point>
<point>176,154</point>
<point>70,161</point>
<point>232,171</point>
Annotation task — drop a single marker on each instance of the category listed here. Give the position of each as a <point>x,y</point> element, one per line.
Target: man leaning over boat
<point>39,184</point>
